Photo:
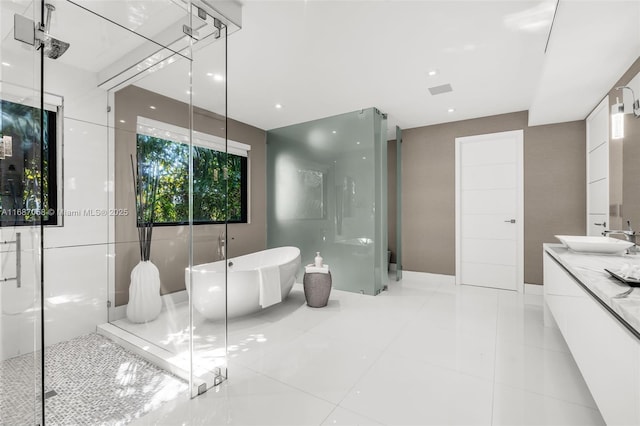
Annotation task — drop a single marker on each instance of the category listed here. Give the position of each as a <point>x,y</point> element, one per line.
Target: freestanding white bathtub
<point>243,286</point>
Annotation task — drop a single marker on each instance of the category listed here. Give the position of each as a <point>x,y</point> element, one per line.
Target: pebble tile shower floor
<point>96,381</point>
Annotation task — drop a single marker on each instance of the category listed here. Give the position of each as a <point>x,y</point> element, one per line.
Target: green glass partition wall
<point>326,186</point>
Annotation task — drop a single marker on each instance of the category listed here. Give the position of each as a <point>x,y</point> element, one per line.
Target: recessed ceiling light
<point>278,106</point>
<point>6,64</point>
<point>152,107</point>
<point>358,143</point>
<point>334,132</point>
<point>432,73</point>
<point>451,110</point>
<point>364,158</point>
<point>218,77</point>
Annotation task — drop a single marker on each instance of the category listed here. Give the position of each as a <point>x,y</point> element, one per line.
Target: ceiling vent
<point>438,90</point>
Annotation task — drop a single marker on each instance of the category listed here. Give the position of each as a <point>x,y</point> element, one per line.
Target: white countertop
<point>589,270</point>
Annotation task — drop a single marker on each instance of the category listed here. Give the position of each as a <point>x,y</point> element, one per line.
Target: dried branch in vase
<point>145,184</point>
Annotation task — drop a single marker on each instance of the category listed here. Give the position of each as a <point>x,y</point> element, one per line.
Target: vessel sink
<point>602,245</point>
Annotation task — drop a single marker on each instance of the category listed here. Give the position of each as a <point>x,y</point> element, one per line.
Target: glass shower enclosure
<point>327,189</point>
<point>83,85</point>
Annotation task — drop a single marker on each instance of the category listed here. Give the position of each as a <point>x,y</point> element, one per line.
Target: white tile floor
<point>423,353</point>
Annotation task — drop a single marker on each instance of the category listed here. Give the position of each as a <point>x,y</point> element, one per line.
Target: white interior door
<point>489,210</point>
<point>598,169</point>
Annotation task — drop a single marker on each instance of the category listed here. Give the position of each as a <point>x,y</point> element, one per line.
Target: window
<point>219,178</point>
<point>26,194</point>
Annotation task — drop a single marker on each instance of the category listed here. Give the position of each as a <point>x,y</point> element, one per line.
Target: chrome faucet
<point>628,233</point>
<point>221,246</point>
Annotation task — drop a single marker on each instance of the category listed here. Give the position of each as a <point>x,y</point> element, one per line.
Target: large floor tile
<point>524,324</point>
<point>454,349</point>
<point>514,406</point>
<point>461,311</point>
<point>246,398</point>
<point>320,365</point>
<point>542,371</point>
<point>251,345</point>
<point>372,327</point>
<point>400,391</point>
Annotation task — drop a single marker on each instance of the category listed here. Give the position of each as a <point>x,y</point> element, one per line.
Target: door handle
<point>510,221</point>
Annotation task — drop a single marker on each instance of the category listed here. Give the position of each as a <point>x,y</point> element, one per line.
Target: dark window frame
<point>244,199</point>
<point>49,203</point>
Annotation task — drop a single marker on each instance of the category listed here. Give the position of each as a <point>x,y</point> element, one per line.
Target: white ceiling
<point>592,44</point>
<point>325,57</point>
<point>320,58</point>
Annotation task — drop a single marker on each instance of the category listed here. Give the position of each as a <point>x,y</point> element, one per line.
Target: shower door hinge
<point>202,14</point>
<point>108,303</point>
<point>190,32</point>
<point>202,388</point>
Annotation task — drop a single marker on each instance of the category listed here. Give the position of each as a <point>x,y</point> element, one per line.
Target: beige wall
<point>169,250</point>
<point>554,189</point>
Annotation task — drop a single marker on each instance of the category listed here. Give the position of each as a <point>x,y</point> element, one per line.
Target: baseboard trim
<point>451,279</point>
<point>533,289</point>
<point>429,277</point>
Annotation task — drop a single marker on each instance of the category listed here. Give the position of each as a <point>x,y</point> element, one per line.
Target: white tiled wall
<point>76,254</point>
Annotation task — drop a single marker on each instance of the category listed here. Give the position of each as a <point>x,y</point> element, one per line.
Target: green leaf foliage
<point>217,181</point>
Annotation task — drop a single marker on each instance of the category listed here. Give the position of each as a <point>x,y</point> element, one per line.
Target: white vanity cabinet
<point>605,350</point>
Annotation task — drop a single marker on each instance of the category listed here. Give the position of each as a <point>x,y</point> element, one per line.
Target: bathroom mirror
<point>624,163</point>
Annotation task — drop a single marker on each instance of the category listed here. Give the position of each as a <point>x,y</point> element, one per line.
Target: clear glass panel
<point>213,172</point>
<point>322,195</point>
<point>166,119</point>
<point>24,125</point>
<point>398,203</point>
<point>115,158</point>
<point>102,264</point>
<point>151,141</point>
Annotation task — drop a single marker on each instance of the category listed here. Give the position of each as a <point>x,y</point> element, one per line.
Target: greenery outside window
<point>219,178</point>
<point>27,196</point>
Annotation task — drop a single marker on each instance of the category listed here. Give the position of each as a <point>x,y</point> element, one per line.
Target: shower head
<point>53,48</point>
